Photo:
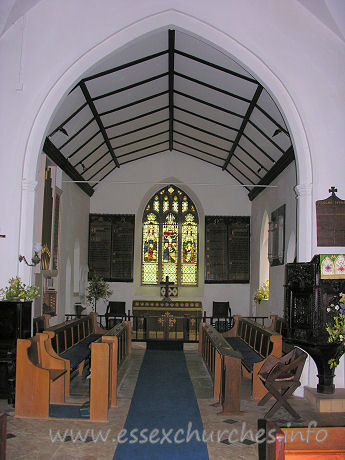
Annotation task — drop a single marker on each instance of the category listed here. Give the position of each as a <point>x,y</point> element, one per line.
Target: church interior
<point>172,228</point>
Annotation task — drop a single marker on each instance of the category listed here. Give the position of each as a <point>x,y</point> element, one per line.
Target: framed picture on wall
<point>276,237</point>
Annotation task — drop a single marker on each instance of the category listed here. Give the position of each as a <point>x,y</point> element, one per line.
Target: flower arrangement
<point>97,289</point>
<point>263,292</point>
<point>16,290</point>
<point>336,328</point>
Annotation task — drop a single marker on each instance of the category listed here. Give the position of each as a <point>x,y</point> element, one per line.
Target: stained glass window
<point>170,239</point>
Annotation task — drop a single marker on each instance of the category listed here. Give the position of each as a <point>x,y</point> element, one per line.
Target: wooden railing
<point>224,366</point>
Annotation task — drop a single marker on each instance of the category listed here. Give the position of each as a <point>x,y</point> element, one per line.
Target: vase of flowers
<point>336,327</point>
<point>97,289</point>
<point>263,292</point>
<point>15,311</point>
<point>17,291</point>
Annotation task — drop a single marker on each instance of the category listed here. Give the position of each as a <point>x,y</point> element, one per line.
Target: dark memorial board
<point>227,249</point>
<point>111,246</point>
<point>330,217</point>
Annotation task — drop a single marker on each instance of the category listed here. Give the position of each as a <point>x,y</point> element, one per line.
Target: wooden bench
<point>39,379</point>
<point>255,343</point>
<point>224,366</point>
<point>302,442</point>
<point>40,323</point>
<point>70,341</point>
<point>278,325</point>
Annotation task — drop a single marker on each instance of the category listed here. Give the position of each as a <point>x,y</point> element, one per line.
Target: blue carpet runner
<point>163,407</point>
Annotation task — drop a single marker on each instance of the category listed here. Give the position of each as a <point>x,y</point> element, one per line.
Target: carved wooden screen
<point>227,250</point>
<point>170,239</point>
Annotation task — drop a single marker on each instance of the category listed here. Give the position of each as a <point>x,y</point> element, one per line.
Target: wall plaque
<point>330,217</point>
<point>227,251</point>
<point>276,237</point>
<point>111,246</point>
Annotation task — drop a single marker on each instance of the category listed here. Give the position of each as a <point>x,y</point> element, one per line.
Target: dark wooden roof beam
<point>133,85</point>
<point>258,147</point>
<point>243,124</point>
<point>261,166</point>
<point>215,66</point>
<point>70,138</point>
<point>127,133</point>
<point>274,172</point>
<point>125,66</point>
<point>144,156</point>
<point>202,117</point>
<point>141,139</point>
<point>95,162</point>
<point>266,136</point>
<point>215,88</point>
<point>199,150</point>
<point>61,125</point>
<point>83,144</point>
<point>200,141</point>
<point>131,104</point>
<point>278,125</point>
<point>205,131</point>
<point>171,87</point>
<point>146,114</point>
<point>89,154</point>
<point>143,148</point>
<point>193,98</point>
<point>99,122</point>
<point>56,156</point>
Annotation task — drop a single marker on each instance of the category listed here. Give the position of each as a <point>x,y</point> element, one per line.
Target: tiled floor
<point>34,439</point>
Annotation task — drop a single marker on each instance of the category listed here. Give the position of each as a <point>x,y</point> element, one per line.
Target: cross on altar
<point>166,283</point>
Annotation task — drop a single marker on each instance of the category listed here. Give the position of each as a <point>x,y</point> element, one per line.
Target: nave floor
<point>32,439</point>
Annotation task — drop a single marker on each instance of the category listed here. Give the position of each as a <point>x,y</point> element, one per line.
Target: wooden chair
<point>115,310</point>
<point>281,377</point>
<point>221,319</point>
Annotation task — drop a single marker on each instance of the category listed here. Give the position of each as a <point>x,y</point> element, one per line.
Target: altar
<point>166,320</point>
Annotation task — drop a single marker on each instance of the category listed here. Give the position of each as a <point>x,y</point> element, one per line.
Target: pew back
<point>308,443</point>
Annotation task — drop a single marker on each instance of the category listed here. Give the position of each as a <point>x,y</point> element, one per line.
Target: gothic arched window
<point>170,239</point>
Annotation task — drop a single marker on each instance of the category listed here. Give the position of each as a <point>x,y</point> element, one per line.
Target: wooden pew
<point>307,443</point>
<point>224,366</point>
<point>40,323</point>
<point>119,341</point>
<point>255,343</point>
<point>36,386</point>
<point>69,342</point>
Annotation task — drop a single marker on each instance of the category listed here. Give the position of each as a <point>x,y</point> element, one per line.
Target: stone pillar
<point>304,222</point>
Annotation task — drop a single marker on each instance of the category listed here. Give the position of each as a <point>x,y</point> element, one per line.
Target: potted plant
<point>97,289</point>
<point>262,293</point>
<point>336,327</point>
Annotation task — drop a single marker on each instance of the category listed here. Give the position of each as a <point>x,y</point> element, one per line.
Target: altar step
<point>325,402</point>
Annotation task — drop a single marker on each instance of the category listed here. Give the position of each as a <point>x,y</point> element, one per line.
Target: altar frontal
<point>166,320</point>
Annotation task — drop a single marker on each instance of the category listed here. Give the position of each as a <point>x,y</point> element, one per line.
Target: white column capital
<point>303,190</point>
<point>29,185</point>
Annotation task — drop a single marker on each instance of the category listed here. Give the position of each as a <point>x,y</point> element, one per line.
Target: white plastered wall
<point>288,50</point>
<point>268,201</point>
<point>213,192</point>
